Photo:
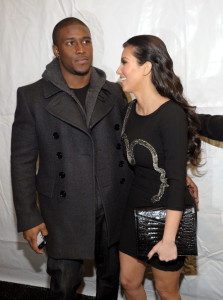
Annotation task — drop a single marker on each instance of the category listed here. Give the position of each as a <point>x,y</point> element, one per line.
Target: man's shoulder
<point>40,88</point>
<point>32,87</point>
<point>116,93</point>
<point>112,87</point>
<point>114,90</point>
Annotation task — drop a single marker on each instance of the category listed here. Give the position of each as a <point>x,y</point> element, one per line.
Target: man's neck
<point>76,81</point>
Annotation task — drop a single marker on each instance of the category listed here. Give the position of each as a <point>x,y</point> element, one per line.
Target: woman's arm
<point>174,130</point>
<point>166,248</point>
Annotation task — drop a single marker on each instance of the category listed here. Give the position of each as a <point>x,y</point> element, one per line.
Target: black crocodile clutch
<point>150,222</point>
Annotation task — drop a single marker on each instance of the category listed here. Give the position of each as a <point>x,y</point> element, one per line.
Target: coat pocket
<point>45,186</point>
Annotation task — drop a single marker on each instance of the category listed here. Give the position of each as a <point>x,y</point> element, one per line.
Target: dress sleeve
<point>174,136</point>
<point>211,126</point>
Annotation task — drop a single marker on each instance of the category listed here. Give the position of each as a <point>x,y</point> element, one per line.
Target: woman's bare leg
<point>131,274</point>
<point>167,283</point>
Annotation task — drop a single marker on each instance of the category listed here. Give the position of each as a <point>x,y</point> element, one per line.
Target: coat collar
<point>65,105</point>
<point>53,75</point>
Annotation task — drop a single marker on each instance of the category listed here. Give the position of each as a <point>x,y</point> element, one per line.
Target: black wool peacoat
<point>59,151</point>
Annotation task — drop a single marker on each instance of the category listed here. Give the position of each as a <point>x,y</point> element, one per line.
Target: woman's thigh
<point>166,280</point>
<point>131,269</point>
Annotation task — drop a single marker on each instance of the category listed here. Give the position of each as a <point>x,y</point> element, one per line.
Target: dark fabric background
<point>13,291</point>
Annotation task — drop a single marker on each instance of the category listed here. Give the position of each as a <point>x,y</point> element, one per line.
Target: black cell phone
<point>41,240</point>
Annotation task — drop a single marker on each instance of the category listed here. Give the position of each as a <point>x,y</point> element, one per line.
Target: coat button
<point>122,180</point>
<point>117,127</point>
<point>59,155</point>
<point>63,194</point>
<point>118,146</point>
<point>62,175</point>
<point>56,135</point>
<point>121,163</point>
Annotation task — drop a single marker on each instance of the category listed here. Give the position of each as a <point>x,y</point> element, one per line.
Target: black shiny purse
<point>150,222</point>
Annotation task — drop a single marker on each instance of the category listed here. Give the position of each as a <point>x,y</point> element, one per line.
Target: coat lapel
<point>64,107</point>
<point>98,102</point>
<point>102,107</point>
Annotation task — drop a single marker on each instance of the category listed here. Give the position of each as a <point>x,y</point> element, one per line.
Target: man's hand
<point>192,189</point>
<point>31,236</point>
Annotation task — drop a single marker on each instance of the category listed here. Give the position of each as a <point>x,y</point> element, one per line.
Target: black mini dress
<point>156,149</point>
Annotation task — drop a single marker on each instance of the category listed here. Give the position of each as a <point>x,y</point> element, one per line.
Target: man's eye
<point>86,41</point>
<point>70,43</point>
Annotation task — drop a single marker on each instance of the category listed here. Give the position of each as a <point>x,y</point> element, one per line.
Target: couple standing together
<point>89,180</point>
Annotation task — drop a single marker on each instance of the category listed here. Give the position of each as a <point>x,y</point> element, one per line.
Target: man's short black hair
<point>64,23</point>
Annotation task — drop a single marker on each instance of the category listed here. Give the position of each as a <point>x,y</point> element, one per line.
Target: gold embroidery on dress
<point>131,158</point>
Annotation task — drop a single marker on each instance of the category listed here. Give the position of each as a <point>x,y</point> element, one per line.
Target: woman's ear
<point>148,68</point>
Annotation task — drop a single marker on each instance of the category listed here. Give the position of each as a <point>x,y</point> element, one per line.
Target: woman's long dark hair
<point>151,48</point>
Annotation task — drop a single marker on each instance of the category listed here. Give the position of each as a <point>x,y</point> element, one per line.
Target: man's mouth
<point>82,61</point>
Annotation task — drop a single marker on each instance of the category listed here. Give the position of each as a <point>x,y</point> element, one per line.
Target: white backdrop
<point>193,33</point>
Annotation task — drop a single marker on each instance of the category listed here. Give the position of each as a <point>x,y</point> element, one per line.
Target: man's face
<point>74,50</point>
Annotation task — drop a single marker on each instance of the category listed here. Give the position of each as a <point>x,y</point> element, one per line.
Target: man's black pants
<point>66,275</point>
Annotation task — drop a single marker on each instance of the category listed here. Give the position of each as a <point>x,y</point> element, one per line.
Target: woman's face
<point>130,72</point>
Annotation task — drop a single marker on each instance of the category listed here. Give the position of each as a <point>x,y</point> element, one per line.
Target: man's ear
<point>56,51</point>
<point>147,68</point>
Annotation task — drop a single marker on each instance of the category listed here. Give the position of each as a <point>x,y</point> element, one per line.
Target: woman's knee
<point>166,291</point>
<point>131,272</point>
<point>129,282</point>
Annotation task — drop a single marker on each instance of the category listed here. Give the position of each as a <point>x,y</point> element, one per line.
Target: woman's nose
<point>118,71</point>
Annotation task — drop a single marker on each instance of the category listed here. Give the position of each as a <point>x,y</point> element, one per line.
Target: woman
<point>159,124</point>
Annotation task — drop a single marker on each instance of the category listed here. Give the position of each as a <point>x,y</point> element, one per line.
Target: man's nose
<point>79,48</point>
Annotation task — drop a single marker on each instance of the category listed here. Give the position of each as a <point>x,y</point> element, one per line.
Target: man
<point>212,126</point>
<point>70,122</point>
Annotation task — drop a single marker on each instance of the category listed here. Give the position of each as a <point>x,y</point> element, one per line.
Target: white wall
<point>193,33</point>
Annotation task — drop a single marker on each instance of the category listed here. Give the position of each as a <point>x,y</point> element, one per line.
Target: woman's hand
<point>166,250</point>
<point>192,189</point>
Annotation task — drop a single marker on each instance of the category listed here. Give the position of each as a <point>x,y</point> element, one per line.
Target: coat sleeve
<point>211,126</point>
<point>24,153</point>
